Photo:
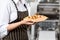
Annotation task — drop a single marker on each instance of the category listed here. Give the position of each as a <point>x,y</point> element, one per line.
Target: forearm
<point>14,25</point>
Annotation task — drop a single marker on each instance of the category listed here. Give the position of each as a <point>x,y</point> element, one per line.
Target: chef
<point>8,17</point>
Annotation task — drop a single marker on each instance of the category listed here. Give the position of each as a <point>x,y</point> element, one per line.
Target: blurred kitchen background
<point>49,29</point>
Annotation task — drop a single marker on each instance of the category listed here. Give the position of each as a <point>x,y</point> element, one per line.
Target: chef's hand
<point>28,22</point>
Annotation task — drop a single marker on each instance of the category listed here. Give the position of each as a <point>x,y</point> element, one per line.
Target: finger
<point>31,21</point>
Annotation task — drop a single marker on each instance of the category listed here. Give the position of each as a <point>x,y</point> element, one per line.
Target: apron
<point>19,33</point>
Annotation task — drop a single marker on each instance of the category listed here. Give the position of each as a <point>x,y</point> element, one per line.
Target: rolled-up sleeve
<point>3,30</point>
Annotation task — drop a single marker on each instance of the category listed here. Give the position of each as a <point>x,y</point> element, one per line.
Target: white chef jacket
<point>8,13</point>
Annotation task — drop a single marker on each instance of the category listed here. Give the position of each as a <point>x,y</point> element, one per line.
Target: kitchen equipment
<point>51,0</point>
<point>51,10</point>
<point>44,26</point>
<point>48,8</point>
<point>49,26</point>
<point>43,0</point>
<point>48,0</point>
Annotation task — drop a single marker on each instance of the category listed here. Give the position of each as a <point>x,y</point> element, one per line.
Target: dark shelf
<point>50,2</point>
